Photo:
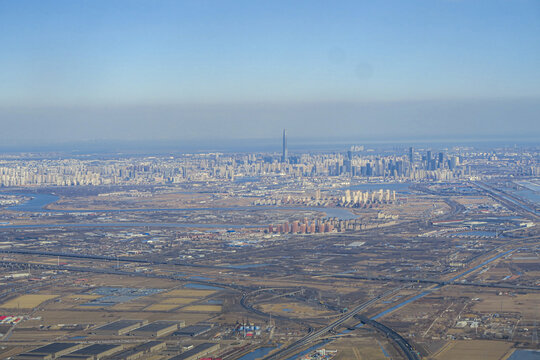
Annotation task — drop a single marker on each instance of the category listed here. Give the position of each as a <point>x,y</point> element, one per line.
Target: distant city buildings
<point>356,163</point>
<point>285,155</point>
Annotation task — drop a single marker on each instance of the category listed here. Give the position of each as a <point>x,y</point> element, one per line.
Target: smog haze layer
<point>135,71</point>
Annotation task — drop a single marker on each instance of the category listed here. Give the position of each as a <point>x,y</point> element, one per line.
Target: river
<point>38,203</point>
<point>525,355</point>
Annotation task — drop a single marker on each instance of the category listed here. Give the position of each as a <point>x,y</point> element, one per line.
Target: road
<point>110,258</point>
<point>398,339</point>
<point>403,345</point>
<point>313,336</point>
<point>15,264</point>
<point>246,305</point>
<point>508,200</point>
<point>176,263</point>
<point>439,282</point>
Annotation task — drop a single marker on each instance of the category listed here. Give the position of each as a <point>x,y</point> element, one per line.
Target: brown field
<point>177,301</point>
<point>471,200</point>
<point>84,297</point>
<point>70,301</point>
<point>99,316</point>
<point>527,304</point>
<point>135,281</point>
<point>474,349</point>
<point>161,307</point>
<point>129,306</point>
<point>35,337</point>
<point>287,283</point>
<point>363,348</point>
<point>202,308</point>
<point>27,301</point>
<point>189,293</point>
<point>171,201</point>
<point>296,309</point>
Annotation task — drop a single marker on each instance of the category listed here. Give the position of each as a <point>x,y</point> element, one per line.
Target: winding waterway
<point>39,202</point>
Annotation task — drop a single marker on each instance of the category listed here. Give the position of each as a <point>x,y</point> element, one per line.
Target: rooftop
<point>95,349</point>
<point>53,348</point>
<point>197,349</point>
<point>157,325</point>
<point>119,325</point>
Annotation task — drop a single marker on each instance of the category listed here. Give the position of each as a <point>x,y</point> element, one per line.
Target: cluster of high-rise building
<point>318,226</point>
<point>357,162</point>
<point>207,167</point>
<point>348,199</point>
<point>359,198</point>
<point>302,227</point>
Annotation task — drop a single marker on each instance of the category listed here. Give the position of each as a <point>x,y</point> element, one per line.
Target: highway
<point>508,200</point>
<point>313,336</point>
<point>438,282</point>
<point>245,304</point>
<point>109,258</point>
<point>358,277</point>
<point>22,265</point>
<point>403,345</point>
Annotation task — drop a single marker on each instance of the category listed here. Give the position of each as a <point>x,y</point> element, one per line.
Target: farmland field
<point>27,301</point>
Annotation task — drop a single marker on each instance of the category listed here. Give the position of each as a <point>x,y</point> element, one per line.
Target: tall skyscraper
<point>411,154</point>
<point>284,156</point>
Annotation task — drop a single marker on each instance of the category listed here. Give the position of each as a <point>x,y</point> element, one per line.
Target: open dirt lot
<point>187,293</point>
<point>361,348</point>
<point>147,201</point>
<point>160,307</point>
<point>203,308</point>
<point>27,301</point>
<point>474,349</point>
<point>177,301</point>
<point>527,304</point>
<point>292,309</point>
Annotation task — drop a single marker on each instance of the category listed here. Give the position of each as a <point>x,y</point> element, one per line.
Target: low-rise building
<point>140,351</point>
<point>197,352</point>
<point>50,351</point>
<point>94,352</point>
<point>157,329</point>
<point>193,330</point>
<point>119,327</point>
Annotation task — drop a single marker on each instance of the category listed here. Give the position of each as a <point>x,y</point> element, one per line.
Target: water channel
<point>38,203</point>
<point>403,303</point>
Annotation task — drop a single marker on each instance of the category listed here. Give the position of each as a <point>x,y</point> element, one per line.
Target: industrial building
<point>119,327</point>
<point>27,356</point>
<point>157,329</point>
<point>76,357</point>
<point>94,352</point>
<point>140,351</point>
<point>50,351</point>
<point>193,330</point>
<point>197,352</point>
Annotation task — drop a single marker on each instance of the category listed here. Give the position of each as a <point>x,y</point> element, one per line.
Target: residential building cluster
<point>156,170</point>
<point>319,226</point>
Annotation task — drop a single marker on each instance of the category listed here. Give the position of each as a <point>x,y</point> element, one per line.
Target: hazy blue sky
<point>155,69</point>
